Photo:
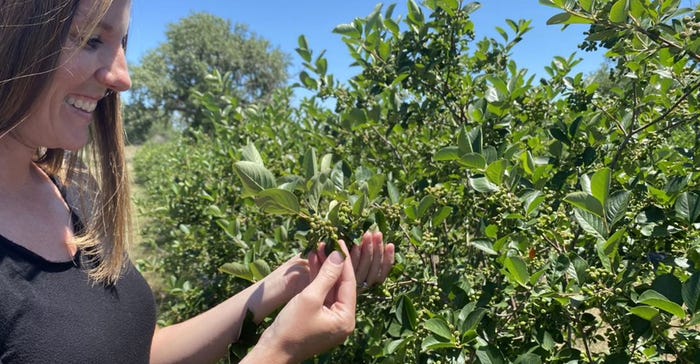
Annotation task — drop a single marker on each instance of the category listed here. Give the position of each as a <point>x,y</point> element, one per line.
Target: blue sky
<point>282,21</point>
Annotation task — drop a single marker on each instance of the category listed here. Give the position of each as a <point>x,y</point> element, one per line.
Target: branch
<point>654,122</point>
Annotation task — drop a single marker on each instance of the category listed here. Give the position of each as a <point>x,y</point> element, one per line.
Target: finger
<point>346,297</point>
<point>355,255</point>
<point>314,265</point>
<point>331,297</point>
<point>327,277</point>
<point>365,258</point>
<point>321,251</point>
<point>377,255</point>
<point>388,262</point>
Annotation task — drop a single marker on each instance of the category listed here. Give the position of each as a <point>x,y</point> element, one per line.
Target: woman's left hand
<point>372,260</point>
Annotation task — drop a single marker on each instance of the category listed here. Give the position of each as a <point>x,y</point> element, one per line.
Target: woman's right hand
<point>319,318</point>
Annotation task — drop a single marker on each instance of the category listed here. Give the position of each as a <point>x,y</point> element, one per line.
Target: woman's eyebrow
<point>105,26</point>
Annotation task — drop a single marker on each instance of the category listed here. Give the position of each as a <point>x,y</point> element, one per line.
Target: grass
<point>139,250</point>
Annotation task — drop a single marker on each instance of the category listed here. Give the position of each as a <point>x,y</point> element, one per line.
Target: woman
<point>69,292</point>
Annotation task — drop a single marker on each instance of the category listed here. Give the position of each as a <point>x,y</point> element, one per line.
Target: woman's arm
<point>205,338</point>
<point>319,318</point>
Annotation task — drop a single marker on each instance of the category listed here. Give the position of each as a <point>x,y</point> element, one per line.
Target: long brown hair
<point>32,36</point>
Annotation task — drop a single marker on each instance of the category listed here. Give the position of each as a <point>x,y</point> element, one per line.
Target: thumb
<point>327,276</point>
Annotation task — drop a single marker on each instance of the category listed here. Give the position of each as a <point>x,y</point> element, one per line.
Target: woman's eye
<point>93,43</point>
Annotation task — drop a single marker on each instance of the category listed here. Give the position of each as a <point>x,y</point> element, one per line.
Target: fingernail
<point>336,257</point>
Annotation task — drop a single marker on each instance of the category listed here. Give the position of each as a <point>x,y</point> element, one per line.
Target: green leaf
<point>694,321</point>
<point>213,210</point>
<point>347,30</point>
<point>482,184</point>
<point>375,185</point>
<point>441,215</point>
<point>278,201</point>
<point>490,355</point>
<point>237,270</point>
<point>359,205</point>
<point>491,231</point>
<point>586,202</point>
<point>251,154</point>
<point>587,5</point>
<point>406,313</point>
<point>476,138</point>
<point>691,293</point>
<point>393,191</point>
<point>532,200</point>
<point>607,251</point>
<point>616,207</point>
<point>307,80</point>
<point>410,212</point>
<point>656,299</point>
<point>463,141</point>
<point>528,358</point>
<point>528,163</point>
<point>425,203</point>
<point>439,327</point>
<point>645,312</point>
<point>485,246</point>
<point>415,13</point>
<point>450,153</point>
<point>518,269</point>
<point>496,170</point>
<point>433,343</point>
<point>549,3</point>
<point>566,18</point>
<point>326,163</point>
<point>254,176</point>
<point>310,163</point>
<point>560,135</point>
<point>618,12</point>
<point>473,161</point>
<point>392,346</point>
<point>636,9</point>
<point>688,207</point>
<point>600,185</point>
<point>260,269</point>
<point>660,195</point>
<point>669,286</point>
<point>591,224</point>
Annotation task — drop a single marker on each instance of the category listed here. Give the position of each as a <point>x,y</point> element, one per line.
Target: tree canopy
<point>168,76</point>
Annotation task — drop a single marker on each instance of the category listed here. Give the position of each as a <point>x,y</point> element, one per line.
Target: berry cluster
<point>533,110</point>
<point>579,100</point>
<point>321,230</point>
<point>692,27</point>
<point>393,212</point>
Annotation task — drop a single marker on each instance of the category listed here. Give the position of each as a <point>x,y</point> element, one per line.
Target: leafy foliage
<point>548,222</point>
<point>168,77</point>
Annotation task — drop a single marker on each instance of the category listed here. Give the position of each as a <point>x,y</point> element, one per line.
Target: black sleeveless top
<point>50,312</point>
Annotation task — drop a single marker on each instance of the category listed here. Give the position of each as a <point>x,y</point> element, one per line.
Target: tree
<point>168,76</point>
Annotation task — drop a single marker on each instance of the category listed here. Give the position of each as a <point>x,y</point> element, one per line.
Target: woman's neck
<point>17,167</point>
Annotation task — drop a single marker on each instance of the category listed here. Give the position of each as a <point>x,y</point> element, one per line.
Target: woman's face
<point>63,111</point>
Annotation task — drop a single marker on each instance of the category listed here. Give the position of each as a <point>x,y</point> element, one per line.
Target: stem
<point>668,111</point>
<point>584,338</point>
<point>393,148</point>
<point>657,120</point>
<point>629,136</point>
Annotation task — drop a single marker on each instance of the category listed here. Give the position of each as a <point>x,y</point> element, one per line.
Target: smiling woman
<point>69,292</point>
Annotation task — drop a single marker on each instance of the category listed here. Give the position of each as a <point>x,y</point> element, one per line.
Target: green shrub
<point>535,222</point>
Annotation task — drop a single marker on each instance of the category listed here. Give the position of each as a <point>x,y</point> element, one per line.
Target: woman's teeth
<point>85,105</point>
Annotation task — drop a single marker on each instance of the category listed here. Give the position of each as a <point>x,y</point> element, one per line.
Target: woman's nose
<point>114,74</point>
